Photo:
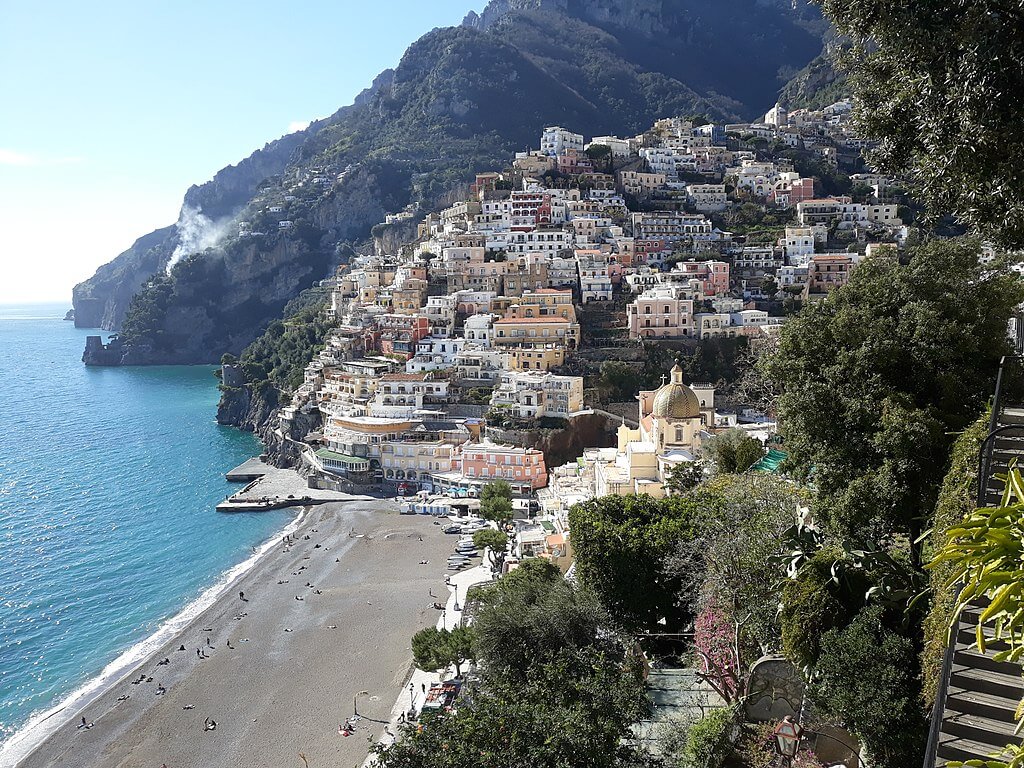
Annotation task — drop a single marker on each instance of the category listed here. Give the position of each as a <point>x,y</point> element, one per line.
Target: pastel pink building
<point>714,275</point>
<point>481,463</point>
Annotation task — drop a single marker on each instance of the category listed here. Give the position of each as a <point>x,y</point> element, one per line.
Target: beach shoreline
<point>41,725</point>
<point>368,592</point>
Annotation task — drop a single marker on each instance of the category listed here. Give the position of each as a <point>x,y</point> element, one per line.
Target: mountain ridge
<point>460,100</point>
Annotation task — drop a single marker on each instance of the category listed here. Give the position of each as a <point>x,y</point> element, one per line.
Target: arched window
<point>679,434</point>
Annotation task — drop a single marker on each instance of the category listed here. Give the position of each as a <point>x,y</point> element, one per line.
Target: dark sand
<point>278,693</point>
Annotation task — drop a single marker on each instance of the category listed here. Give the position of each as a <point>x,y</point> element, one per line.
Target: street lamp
<point>787,739</point>
<point>456,607</point>
<point>355,710</point>
<point>412,703</point>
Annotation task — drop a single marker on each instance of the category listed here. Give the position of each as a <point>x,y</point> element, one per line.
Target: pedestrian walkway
<point>412,697</point>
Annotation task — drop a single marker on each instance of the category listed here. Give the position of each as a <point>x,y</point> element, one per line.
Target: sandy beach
<point>294,665</point>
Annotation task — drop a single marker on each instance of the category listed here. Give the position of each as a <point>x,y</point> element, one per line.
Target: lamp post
<point>456,607</point>
<point>787,739</point>
<point>355,709</point>
<point>412,703</point>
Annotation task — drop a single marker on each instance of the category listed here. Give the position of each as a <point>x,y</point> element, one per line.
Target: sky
<point>110,110</point>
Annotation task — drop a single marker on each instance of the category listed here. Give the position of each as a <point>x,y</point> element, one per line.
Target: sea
<point>109,539</point>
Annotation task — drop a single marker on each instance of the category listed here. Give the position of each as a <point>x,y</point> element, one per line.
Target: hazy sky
<point>110,110</point>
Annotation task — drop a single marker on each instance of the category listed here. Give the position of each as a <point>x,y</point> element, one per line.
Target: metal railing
<point>984,468</point>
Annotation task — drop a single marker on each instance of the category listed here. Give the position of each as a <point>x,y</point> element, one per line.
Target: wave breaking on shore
<point>41,725</point>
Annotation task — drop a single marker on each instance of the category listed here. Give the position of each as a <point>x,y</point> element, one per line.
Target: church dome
<point>675,400</point>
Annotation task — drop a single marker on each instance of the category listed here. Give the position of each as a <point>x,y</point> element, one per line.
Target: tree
<point>574,711</point>
<point>730,570</point>
<point>558,687</point>
<point>496,502</point>
<point>495,541</point>
<point>684,476</point>
<point>866,676</point>
<point>531,615</point>
<point>735,451</point>
<point>878,378</point>
<point>622,544</point>
<point>939,85</point>
<point>434,649</point>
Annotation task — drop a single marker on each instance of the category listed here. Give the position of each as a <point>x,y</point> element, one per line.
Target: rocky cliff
<point>460,100</point>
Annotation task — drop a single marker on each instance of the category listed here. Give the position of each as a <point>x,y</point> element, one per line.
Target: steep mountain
<point>461,99</point>
<point>817,85</point>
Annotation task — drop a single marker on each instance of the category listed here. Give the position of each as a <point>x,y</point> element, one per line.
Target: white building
<point>556,140</point>
<point>434,353</point>
<point>528,395</point>
<point>708,198</point>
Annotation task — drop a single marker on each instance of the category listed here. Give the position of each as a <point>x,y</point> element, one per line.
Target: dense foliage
<point>558,687</point>
<point>496,501</point>
<point>734,451</point>
<point>877,379</point>
<point>435,649</point>
<point>956,501</point>
<point>866,676</point>
<point>940,83</point>
<point>622,544</point>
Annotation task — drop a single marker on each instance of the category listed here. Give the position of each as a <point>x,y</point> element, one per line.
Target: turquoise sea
<point>108,482</point>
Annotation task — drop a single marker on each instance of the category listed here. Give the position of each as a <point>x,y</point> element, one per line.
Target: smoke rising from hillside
<point>196,232</point>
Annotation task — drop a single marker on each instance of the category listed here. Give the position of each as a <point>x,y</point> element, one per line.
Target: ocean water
<point>108,482</point>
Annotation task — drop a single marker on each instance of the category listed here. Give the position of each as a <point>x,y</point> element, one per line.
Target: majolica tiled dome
<point>675,400</point>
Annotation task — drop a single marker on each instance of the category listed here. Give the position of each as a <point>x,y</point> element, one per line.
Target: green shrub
<point>956,501</point>
<point>867,677</point>
<point>810,608</point>
<point>709,740</point>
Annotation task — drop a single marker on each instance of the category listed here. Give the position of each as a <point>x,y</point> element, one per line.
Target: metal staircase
<point>977,698</point>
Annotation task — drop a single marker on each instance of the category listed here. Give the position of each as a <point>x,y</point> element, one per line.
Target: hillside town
<point>447,353</point>
<point>464,372</point>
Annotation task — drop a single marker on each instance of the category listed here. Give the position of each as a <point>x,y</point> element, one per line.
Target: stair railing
<point>984,467</point>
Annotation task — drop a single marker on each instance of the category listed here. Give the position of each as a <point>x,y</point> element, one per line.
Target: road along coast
<point>321,622</point>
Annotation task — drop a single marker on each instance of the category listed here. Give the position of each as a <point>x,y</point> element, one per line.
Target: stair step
<point>987,681</point>
<point>981,704</point>
<point>1011,416</point>
<point>984,730</point>
<point>965,640</point>
<point>954,748</point>
<point>975,660</point>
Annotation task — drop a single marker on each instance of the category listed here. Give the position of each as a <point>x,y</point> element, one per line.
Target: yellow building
<point>516,331</point>
<point>672,423</point>
<point>539,358</point>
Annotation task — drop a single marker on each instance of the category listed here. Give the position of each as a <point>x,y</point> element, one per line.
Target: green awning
<point>771,461</point>
<point>340,458</point>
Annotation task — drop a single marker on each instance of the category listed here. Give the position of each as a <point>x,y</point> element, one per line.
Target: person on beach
<point>85,723</point>
<point>241,595</point>
<point>182,648</point>
<point>209,724</point>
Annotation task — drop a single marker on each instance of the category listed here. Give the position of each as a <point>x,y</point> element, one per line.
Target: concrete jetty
<point>274,488</point>
<point>248,470</point>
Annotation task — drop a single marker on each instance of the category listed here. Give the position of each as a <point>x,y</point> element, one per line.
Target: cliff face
<point>102,300</point>
<point>255,409</point>
<point>461,100</point>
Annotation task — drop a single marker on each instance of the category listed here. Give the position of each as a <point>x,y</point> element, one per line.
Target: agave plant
<point>986,554</point>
